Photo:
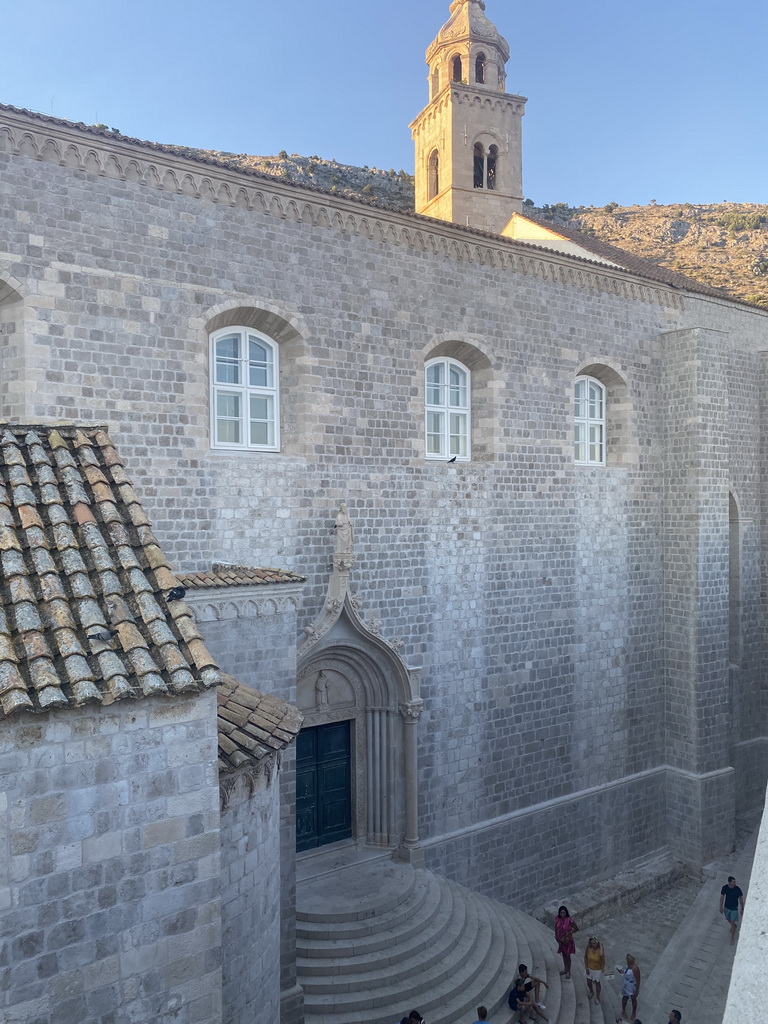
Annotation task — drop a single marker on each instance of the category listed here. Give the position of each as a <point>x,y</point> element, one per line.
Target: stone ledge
<point>603,899</point>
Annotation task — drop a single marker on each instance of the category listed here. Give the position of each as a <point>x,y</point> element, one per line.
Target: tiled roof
<point>237,576</point>
<point>252,725</point>
<point>85,613</point>
<point>632,264</point>
<point>636,264</point>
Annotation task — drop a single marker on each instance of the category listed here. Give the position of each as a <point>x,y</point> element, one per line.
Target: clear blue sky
<point>661,100</point>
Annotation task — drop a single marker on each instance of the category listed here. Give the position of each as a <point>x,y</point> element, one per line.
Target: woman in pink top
<point>565,926</point>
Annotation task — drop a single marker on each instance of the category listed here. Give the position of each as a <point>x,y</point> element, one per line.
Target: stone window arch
<point>619,443</point>
<point>457,68</point>
<point>433,174</point>
<point>734,582</point>
<point>435,81</point>
<point>588,422</point>
<point>485,165</point>
<point>466,354</point>
<point>480,69</point>
<point>448,402</point>
<point>275,336</point>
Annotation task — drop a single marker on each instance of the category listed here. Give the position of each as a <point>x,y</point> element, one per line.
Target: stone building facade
<point>549,648</point>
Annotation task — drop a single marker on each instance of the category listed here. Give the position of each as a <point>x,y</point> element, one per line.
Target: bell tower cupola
<point>469,137</point>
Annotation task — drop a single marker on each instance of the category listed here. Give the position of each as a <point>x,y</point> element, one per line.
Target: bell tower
<point>469,137</point>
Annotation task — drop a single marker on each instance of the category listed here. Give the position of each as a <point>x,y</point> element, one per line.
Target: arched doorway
<point>356,754</point>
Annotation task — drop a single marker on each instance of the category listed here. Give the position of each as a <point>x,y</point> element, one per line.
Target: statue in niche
<point>343,529</point>
<point>321,690</point>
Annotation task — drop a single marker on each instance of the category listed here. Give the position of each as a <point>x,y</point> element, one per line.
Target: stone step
<point>466,960</point>
<point>370,891</point>
<point>537,951</point>
<point>458,950</point>
<point>371,934</point>
<point>429,946</point>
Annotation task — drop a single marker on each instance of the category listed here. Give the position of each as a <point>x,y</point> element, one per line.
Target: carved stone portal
<point>347,671</point>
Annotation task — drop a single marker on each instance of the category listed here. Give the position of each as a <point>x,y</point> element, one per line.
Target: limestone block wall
<point>252,634</point>
<point>110,877</point>
<point>529,594</point>
<point>250,900</point>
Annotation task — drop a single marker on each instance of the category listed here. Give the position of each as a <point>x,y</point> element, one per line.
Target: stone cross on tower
<point>469,137</point>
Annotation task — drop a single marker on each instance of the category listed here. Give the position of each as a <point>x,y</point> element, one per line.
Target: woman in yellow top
<point>594,964</point>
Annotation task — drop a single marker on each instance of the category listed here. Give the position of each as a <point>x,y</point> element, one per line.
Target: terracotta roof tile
<point>74,564</point>
<point>237,576</point>
<point>252,725</point>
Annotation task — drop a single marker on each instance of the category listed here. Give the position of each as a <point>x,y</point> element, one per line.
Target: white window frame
<point>589,431</point>
<point>244,391</point>
<point>446,410</point>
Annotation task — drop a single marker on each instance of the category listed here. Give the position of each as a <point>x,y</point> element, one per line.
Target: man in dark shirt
<point>732,905</point>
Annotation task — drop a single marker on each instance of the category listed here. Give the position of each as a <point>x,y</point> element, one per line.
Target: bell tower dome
<point>469,137</point>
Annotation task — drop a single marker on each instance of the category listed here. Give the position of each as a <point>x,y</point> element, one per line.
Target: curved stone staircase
<point>376,939</point>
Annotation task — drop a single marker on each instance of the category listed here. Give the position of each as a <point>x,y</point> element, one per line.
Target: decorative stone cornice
<point>66,145</point>
<point>248,778</point>
<point>244,602</point>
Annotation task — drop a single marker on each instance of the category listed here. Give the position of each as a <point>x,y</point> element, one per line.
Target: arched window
<point>457,71</point>
<point>433,174</point>
<point>479,171</point>
<point>480,69</point>
<point>447,410</point>
<point>734,582</point>
<point>491,165</point>
<point>245,410</point>
<point>588,422</point>
<point>435,82</point>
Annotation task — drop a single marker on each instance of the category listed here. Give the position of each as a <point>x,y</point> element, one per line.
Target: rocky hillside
<point>724,244</point>
<point>391,188</point>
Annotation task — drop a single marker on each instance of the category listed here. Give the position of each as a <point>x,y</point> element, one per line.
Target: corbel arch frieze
<point>244,782</point>
<point>165,171</point>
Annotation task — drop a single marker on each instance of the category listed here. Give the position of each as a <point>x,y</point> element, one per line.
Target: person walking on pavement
<point>482,1015</point>
<point>675,1017</point>
<point>565,926</point>
<point>594,965</point>
<point>630,987</point>
<point>732,905</point>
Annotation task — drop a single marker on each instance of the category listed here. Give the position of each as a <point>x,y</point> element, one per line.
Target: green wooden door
<point>323,791</point>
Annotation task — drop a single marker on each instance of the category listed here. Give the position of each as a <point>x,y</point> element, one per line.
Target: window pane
<point>579,443</point>
<point>228,360</point>
<point>458,393</point>
<point>260,365</point>
<point>435,433</point>
<point>228,422</point>
<point>436,384</point>
<point>579,405</point>
<point>595,402</point>
<point>458,439</point>
<point>262,420</point>
<point>595,442</point>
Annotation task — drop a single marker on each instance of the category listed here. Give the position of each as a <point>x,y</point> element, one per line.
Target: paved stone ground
<point>680,943</point>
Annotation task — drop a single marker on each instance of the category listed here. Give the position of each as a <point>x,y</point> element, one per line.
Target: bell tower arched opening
<point>480,186</point>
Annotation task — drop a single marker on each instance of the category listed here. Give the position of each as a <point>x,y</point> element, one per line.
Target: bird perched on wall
<point>452,460</point>
<point>176,594</point>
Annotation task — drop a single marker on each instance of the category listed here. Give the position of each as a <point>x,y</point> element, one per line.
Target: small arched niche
<point>457,68</point>
<point>433,175</point>
<point>621,446</point>
<point>11,349</point>
<point>480,69</point>
<point>734,582</point>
